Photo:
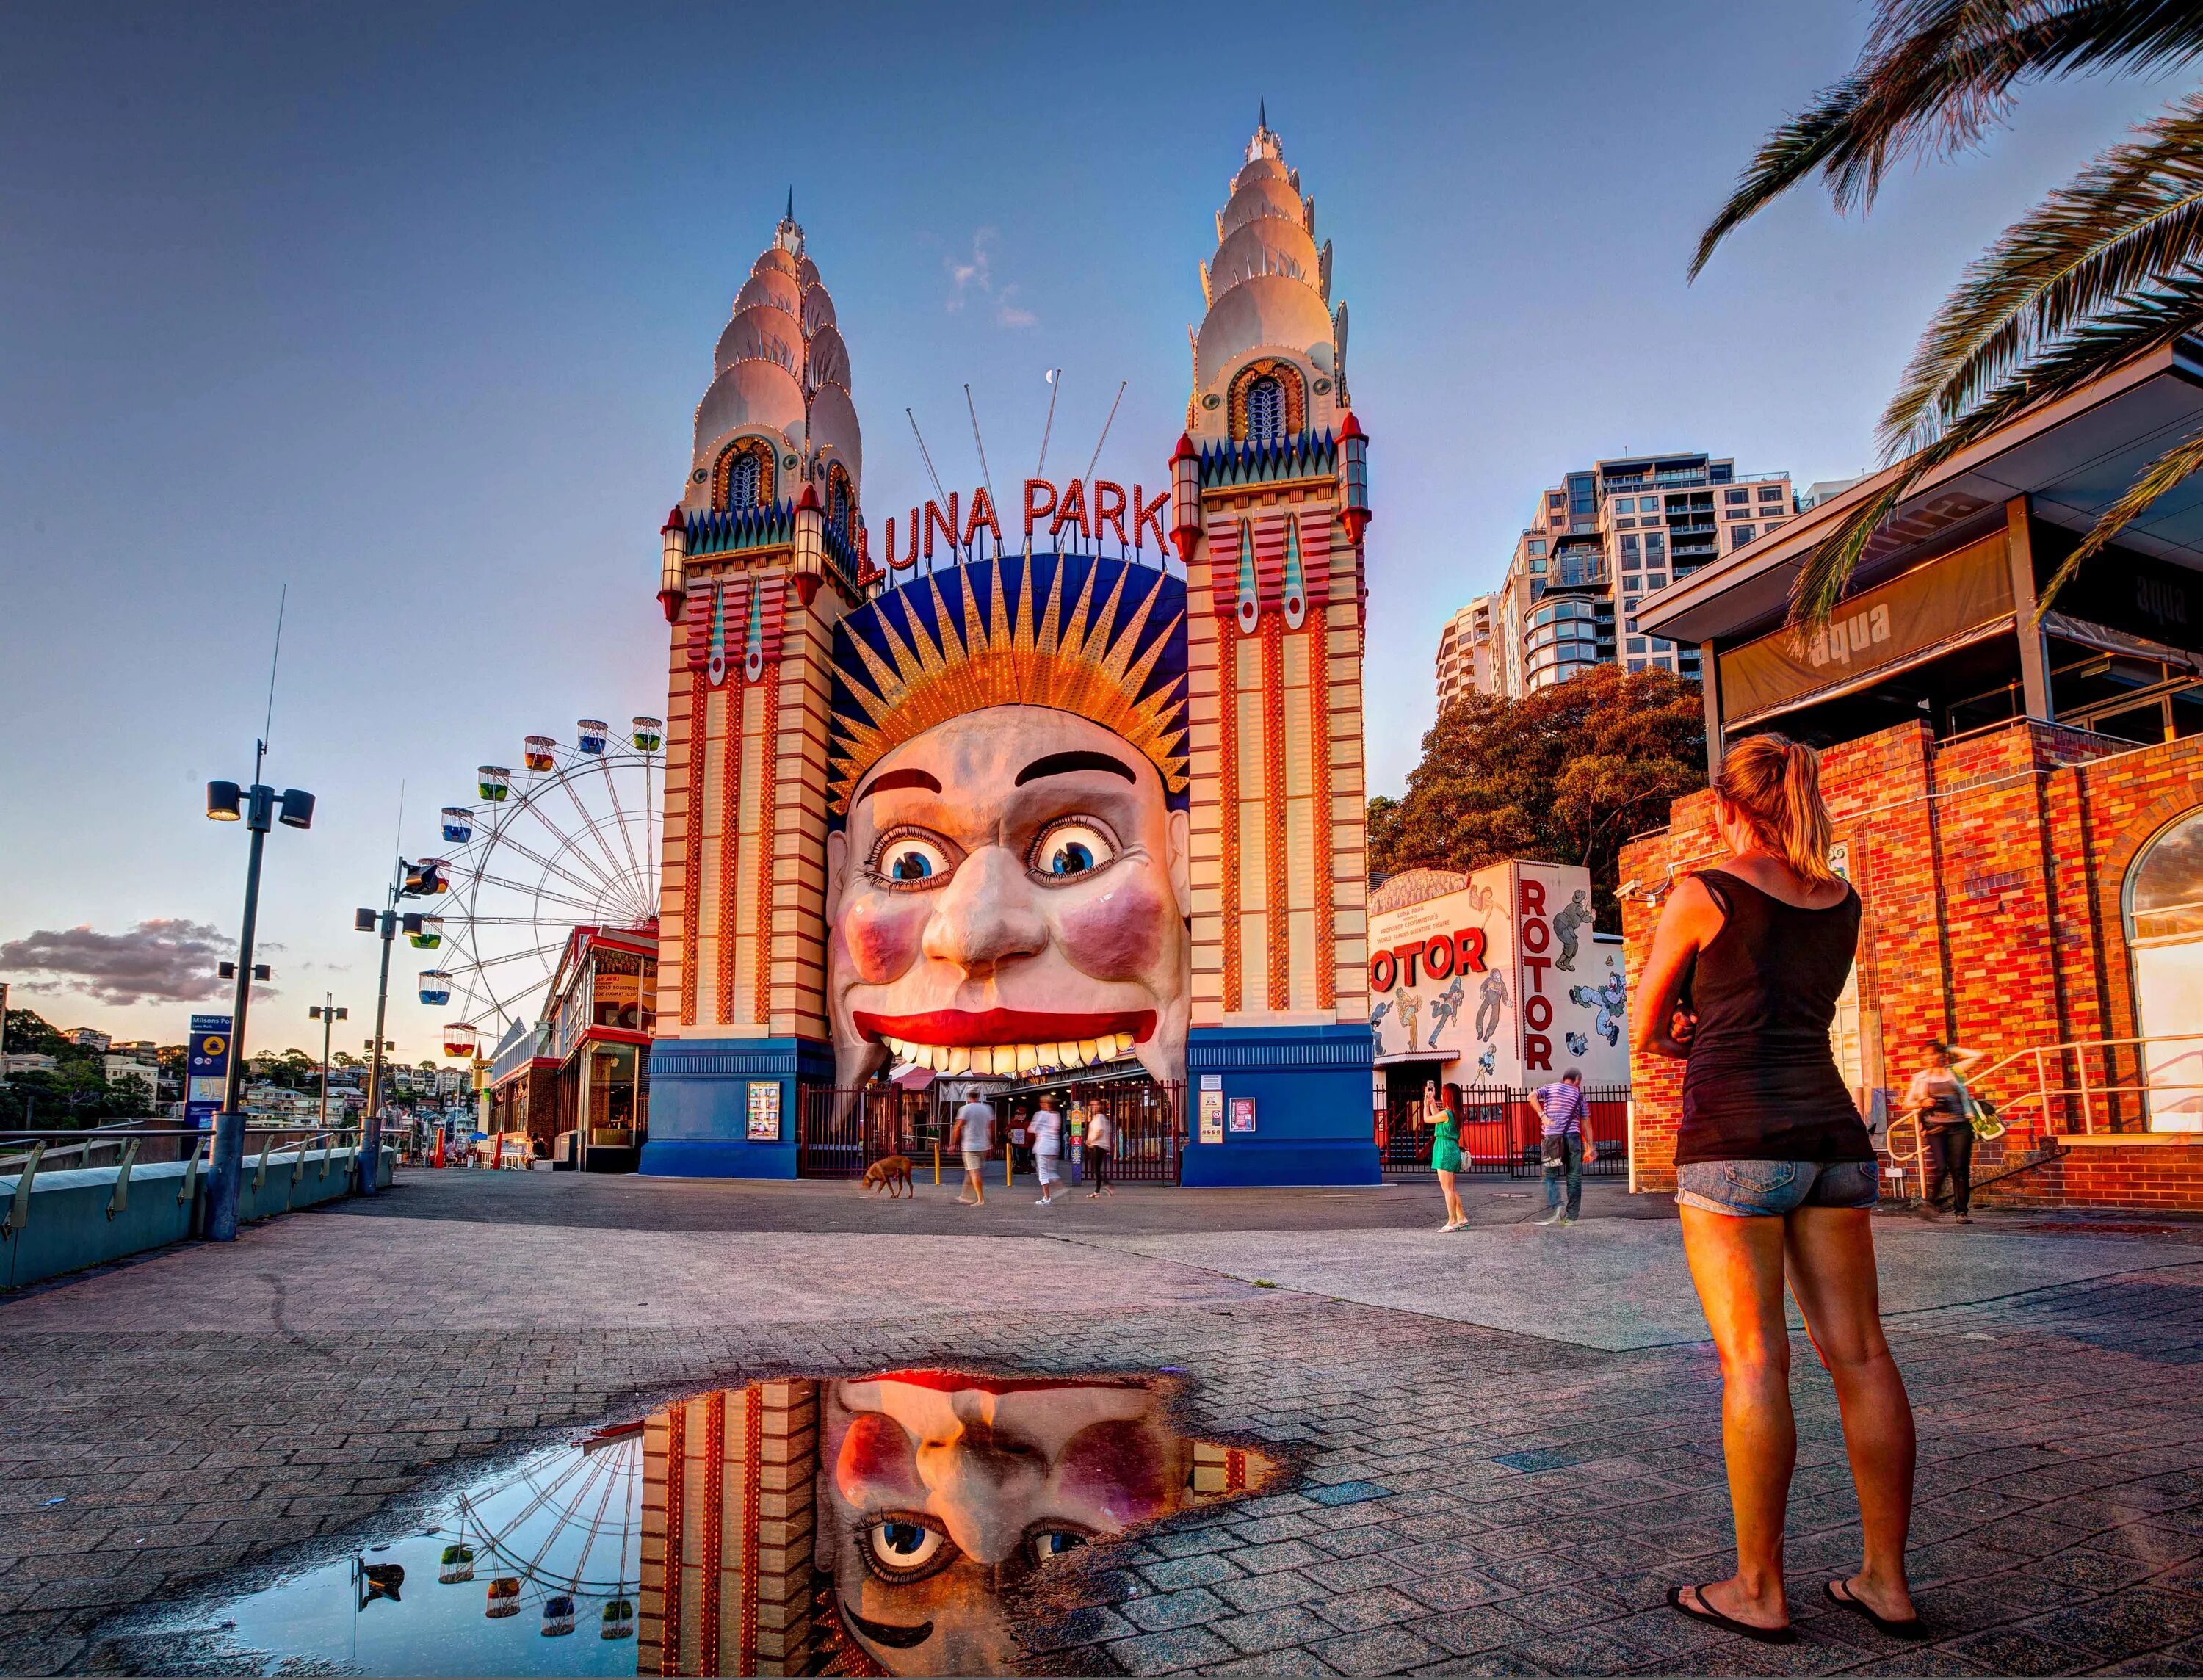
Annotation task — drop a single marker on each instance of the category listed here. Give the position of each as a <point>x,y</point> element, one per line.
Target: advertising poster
<point>1212,1115</point>
<point>1243,1114</point>
<point>206,1068</point>
<point>764,1110</point>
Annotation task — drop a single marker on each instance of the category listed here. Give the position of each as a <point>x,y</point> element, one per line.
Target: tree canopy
<point>1563,777</point>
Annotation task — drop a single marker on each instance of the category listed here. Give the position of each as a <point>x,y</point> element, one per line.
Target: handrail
<point>18,1211</point>
<point>119,1199</point>
<point>2087,1091</point>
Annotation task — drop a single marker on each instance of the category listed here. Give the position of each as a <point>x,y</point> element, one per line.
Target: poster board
<point>764,1109</point>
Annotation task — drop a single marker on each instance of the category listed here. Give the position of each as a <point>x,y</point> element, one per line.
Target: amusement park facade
<point>1061,792</point>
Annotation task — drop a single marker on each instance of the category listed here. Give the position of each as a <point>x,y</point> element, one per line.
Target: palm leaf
<point>2180,462</point>
<point>1934,76</point>
<point>2133,217</point>
<point>2132,326</point>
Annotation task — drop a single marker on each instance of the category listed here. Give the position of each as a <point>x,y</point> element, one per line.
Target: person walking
<point>1943,1108</point>
<point>1100,1135</point>
<point>1561,1142</point>
<point>1776,1177</point>
<point>1047,1134</point>
<point>974,1135</point>
<point>1444,1108</point>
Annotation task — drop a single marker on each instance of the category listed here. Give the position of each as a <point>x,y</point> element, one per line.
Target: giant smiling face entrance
<point>1006,886</point>
<point>944,809</point>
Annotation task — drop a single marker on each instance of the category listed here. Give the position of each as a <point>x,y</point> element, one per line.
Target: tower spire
<point>1263,109</point>
<point>791,201</point>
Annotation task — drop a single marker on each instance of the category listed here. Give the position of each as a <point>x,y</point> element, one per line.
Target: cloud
<point>165,961</point>
<point>973,276</point>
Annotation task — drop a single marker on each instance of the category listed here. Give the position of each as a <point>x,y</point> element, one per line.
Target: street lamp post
<point>260,807</point>
<point>328,1015</point>
<point>415,880</point>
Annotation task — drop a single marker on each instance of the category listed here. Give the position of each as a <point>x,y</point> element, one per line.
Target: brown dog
<point>892,1175</point>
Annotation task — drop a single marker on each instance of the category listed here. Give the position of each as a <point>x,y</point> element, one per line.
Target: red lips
<point>955,1028</point>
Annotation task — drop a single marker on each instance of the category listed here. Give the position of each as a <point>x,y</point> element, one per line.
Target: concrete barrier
<point>81,1217</point>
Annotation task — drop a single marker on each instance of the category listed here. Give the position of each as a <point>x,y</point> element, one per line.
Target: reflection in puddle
<point>876,1524</point>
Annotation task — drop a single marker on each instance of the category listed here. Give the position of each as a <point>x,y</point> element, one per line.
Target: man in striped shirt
<point>1561,1108</point>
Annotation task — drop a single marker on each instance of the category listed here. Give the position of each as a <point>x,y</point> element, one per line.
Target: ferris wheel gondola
<point>565,1526</point>
<point>572,840</point>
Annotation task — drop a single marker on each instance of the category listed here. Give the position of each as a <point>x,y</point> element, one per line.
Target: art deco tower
<point>763,553</point>
<point>1271,502</point>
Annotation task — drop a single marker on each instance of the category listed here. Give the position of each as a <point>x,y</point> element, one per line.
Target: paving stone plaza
<point>1503,1444</point>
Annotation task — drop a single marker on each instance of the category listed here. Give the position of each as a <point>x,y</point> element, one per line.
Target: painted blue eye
<point>903,1539</point>
<point>909,860</point>
<point>1074,848</point>
<point>1055,1542</point>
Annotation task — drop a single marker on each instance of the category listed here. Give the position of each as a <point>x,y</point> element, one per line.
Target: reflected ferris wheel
<point>569,840</point>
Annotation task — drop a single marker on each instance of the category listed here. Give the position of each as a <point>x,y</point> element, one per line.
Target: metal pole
<point>328,1020</point>
<point>370,1146</point>
<point>223,1182</point>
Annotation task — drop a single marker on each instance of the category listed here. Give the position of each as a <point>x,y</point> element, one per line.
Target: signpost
<point>206,1070</point>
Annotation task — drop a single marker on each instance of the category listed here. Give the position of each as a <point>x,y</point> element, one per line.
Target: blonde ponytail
<point>1775,784</point>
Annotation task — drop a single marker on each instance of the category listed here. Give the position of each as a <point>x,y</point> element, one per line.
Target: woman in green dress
<point>1444,1113</point>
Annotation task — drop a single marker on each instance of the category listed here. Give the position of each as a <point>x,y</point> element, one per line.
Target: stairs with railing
<point>2043,1095</point>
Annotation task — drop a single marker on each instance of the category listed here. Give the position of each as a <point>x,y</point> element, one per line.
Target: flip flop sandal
<point>1705,1612</point>
<point>1910,1628</point>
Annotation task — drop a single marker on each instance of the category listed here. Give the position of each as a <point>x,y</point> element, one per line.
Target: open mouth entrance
<point>843,1130</point>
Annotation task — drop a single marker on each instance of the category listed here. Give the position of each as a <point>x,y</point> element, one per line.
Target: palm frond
<point>2181,461</point>
<point>2132,326</point>
<point>2133,217</point>
<point>1934,76</point>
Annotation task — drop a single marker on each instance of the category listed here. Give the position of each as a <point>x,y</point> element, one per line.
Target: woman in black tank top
<point>1776,1177</point>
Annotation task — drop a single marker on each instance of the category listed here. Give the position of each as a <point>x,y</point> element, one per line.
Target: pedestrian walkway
<point>1490,1479</point>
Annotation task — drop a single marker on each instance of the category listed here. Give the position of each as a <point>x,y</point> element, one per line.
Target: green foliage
<point>2108,268</point>
<point>30,1035</point>
<point>1563,777</point>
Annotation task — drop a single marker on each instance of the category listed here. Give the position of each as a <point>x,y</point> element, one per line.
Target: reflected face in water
<point>942,1491</point>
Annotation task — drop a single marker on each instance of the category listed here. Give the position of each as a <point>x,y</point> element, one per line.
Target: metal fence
<point>1500,1128</point>
<point>840,1130</point>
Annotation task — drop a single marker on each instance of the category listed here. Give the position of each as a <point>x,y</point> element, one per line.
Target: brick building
<point>2019,804</point>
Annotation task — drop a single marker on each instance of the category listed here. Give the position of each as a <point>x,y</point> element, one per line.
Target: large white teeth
<point>960,1060</point>
<point>1010,1058</point>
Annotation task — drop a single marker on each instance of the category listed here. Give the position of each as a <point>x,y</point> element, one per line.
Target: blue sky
<point>409,308</point>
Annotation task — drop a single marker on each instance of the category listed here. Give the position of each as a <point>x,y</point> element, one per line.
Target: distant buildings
<point>90,1038</point>
<point>1600,540</point>
<point>1465,653</point>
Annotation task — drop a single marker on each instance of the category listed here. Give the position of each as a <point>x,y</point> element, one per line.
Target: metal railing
<point>1501,1134</point>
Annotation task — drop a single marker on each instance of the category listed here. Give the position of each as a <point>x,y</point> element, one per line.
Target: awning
<point>2105,639</point>
<point>1399,1056</point>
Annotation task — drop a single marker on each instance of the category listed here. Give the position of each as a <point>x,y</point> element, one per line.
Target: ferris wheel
<point>569,841</point>
<point>565,1525</point>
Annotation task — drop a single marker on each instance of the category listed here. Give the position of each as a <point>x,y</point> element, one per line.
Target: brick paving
<point>321,1387</point>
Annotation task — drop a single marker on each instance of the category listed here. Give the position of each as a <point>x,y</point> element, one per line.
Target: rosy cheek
<point>1118,934</point>
<point>881,933</point>
<point>877,1462</point>
<point>1115,1468</point>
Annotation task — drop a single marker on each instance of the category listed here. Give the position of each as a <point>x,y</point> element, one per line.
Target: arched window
<point>1266,412</point>
<point>745,479</point>
<point>2165,939</point>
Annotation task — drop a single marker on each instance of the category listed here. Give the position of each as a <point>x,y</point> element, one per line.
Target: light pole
<point>415,880</point>
<point>328,1015</point>
<point>260,806</point>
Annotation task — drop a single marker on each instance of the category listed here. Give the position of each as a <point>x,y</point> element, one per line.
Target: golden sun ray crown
<point>1086,664</point>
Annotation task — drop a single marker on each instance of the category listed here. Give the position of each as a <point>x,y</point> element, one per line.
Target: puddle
<point>891,1524</point>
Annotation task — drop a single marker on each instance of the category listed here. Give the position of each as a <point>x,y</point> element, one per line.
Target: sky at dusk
<point>409,308</point>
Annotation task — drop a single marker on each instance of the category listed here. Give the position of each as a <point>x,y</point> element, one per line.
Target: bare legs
<point>1454,1214</point>
<point>1831,1255</point>
<point>1739,1265</point>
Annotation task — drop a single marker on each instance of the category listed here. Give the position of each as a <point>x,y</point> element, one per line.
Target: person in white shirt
<point>1047,1148</point>
<point>974,1134</point>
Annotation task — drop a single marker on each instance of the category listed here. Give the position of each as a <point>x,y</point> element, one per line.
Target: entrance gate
<point>840,1130</point>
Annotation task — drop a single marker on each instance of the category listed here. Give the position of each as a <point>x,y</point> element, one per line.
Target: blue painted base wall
<point>699,1104</point>
<point>1312,1113</point>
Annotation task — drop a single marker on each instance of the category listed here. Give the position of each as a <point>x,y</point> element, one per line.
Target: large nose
<point>986,916</point>
<point>983,1482</point>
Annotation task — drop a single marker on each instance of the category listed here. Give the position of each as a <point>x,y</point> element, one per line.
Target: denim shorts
<point>1769,1189</point>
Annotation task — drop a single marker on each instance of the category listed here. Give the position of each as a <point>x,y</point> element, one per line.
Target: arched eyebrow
<point>1063,764</point>
<point>894,779</point>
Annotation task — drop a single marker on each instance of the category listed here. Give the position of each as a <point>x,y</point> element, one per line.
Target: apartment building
<point>1466,652</point>
<point>1604,538</point>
